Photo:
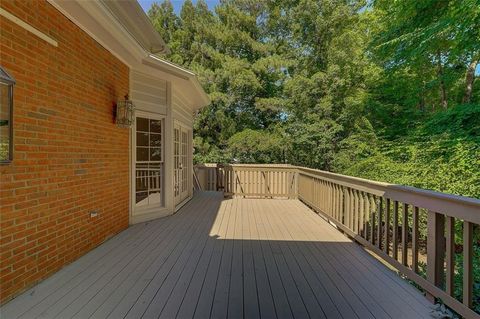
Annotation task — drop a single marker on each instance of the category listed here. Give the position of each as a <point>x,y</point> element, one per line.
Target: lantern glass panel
<point>125,113</point>
<point>5,122</point>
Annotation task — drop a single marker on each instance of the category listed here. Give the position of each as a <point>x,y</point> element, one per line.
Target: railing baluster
<point>342,205</point>
<point>467,263</point>
<point>372,221</point>
<point>367,215</point>
<point>435,249</point>
<point>415,239</point>
<point>352,210</point>
<point>335,207</point>
<point>332,199</point>
<point>395,231</point>
<point>450,254</point>
<point>339,204</point>
<point>386,248</point>
<point>347,207</point>
<point>361,207</point>
<point>405,234</point>
<point>379,222</point>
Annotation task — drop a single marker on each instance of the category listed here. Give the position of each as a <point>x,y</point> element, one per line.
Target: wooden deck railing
<point>272,181</point>
<point>410,228</point>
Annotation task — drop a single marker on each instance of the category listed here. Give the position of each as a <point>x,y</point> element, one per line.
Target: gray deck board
<point>225,258</point>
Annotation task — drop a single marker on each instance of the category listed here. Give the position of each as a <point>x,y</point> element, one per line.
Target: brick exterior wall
<point>69,157</point>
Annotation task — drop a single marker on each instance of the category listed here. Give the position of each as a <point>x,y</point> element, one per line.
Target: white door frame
<point>138,214</point>
<point>188,129</point>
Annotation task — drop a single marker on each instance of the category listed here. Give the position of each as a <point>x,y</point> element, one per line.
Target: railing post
<point>435,249</point>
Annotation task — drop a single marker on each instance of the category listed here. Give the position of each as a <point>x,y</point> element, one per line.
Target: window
<point>149,162</point>
<point>6,116</point>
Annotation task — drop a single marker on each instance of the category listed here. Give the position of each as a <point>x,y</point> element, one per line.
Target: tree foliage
<point>369,88</point>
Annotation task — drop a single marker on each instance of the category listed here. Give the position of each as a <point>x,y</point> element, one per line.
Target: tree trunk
<point>421,98</point>
<point>469,79</point>
<point>443,90</point>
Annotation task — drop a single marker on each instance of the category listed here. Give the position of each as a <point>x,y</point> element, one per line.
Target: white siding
<point>148,93</point>
<point>181,110</point>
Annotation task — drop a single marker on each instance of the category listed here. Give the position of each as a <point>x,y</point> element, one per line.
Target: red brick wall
<point>69,157</point>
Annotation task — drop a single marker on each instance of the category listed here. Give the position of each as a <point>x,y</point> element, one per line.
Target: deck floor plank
<point>405,303</point>
<point>91,299</point>
<point>292,291</point>
<point>121,299</point>
<point>280,299</point>
<point>320,244</point>
<point>264,293</point>
<point>235,295</point>
<point>207,294</point>
<point>225,258</point>
<point>326,301</point>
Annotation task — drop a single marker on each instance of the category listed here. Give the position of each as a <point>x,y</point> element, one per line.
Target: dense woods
<point>384,90</point>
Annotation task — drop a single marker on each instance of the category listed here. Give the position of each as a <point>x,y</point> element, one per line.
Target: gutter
<point>134,20</point>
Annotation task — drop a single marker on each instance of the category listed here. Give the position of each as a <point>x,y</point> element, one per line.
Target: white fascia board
<point>98,23</point>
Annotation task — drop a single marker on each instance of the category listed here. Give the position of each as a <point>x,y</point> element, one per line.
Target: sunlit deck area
<point>225,258</point>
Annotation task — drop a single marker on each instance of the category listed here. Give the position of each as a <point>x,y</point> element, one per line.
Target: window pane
<point>142,153</point>
<point>155,154</point>
<point>154,197</point>
<point>142,139</point>
<point>141,198</point>
<point>155,140</point>
<point>155,182</point>
<point>142,184</point>
<point>156,126</point>
<point>4,123</point>
<point>142,124</point>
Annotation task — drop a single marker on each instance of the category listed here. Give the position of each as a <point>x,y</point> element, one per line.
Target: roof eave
<point>131,16</point>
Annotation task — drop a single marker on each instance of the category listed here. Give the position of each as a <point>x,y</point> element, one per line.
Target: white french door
<point>182,163</point>
<point>148,162</point>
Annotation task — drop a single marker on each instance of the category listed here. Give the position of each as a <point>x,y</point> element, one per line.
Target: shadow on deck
<point>218,258</point>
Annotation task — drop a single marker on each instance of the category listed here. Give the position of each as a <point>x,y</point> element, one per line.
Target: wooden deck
<point>225,258</point>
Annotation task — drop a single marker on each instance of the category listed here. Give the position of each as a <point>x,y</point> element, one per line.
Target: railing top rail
<point>466,208</point>
<point>213,165</point>
<point>374,185</point>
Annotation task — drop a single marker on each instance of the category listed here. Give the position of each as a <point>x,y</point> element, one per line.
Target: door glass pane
<point>149,166</point>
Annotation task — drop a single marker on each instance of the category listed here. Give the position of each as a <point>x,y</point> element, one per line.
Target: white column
<point>169,182</point>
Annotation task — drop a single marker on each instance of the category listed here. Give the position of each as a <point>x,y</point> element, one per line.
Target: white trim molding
<point>4,13</point>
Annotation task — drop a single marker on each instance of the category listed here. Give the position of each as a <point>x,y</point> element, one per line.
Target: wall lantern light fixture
<point>6,116</point>
<point>124,112</point>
